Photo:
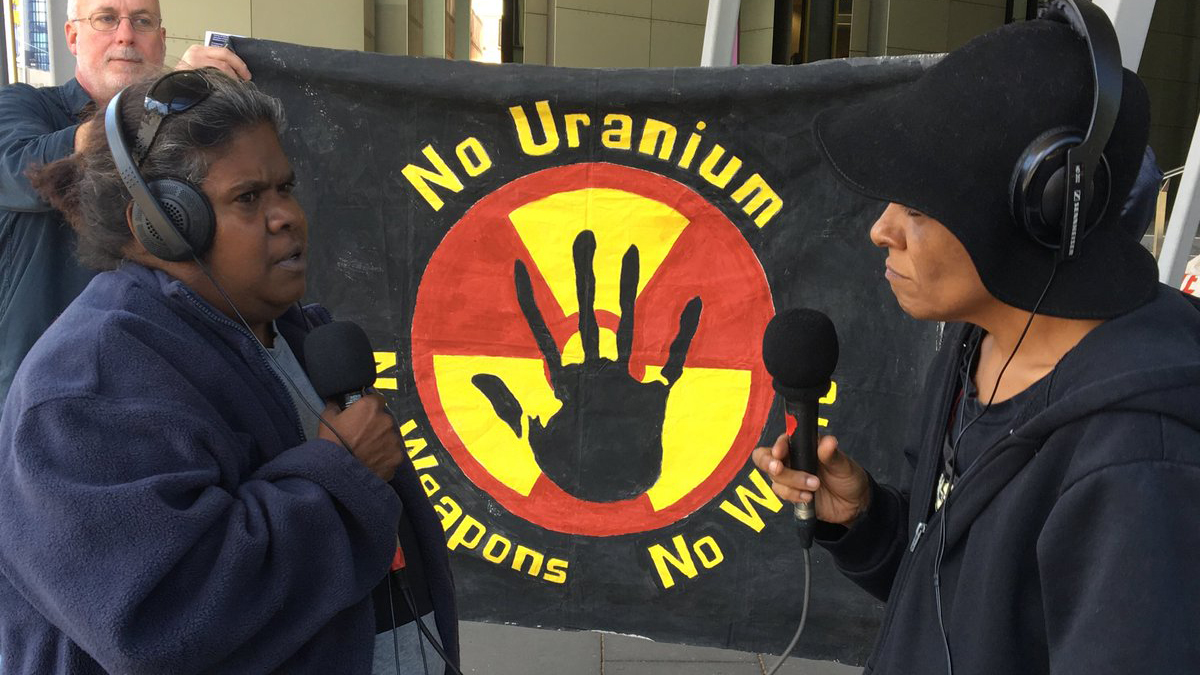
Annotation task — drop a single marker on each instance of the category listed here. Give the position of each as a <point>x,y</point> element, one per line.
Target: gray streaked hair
<point>87,188</point>
<point>72,9</point>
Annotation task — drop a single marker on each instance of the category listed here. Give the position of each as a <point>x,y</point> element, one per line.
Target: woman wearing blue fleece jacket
<point>167,503</point>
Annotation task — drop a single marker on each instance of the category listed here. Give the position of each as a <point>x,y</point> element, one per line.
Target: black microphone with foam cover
<point>340,362</point>
<point>800,351</point>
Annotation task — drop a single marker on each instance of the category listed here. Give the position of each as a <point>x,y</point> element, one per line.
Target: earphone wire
<point>279,369</point>
<point>412,607</point>
<point>937,562</point>
<point>412,603</point>
<point>395,637</point>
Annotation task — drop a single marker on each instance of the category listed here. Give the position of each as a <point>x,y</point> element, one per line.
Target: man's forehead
<point>89,7</point>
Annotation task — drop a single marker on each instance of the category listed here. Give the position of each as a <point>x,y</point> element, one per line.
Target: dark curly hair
<point>87,189</point>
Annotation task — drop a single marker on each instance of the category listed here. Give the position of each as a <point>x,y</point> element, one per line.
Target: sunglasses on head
<point>172,93</point>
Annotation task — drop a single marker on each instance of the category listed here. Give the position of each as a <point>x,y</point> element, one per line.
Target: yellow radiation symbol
<point>706,406</point>
<point>584,345</point>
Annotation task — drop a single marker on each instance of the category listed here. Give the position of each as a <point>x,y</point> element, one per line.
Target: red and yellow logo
<point>586,344</point>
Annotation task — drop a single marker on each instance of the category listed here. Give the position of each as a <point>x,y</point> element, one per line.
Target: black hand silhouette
<point>605,443</point>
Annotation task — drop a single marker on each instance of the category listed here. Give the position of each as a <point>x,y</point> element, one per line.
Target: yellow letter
<point>710,162</point>
<point>525,134</point>
<point>468,533</point>
<point>420,178</point>
<point>535,566</point>
<point>714,555</point>
<point>556,571</point>
<point>477,164</point>
<point>383,361</point>
<point>682,561</point>
<point>448,510</point>
<point>618,132</point>
<point>830,398</point>
<point>424,463</point>
<point>651,133</point>
<point>415,445</point>
<point>748,515</point>
<point>491,555</point>
<point>431,486</point>
<point>573,122</point>
<point>407,427</point>
<point>762,194</point>
<point>689,150</point>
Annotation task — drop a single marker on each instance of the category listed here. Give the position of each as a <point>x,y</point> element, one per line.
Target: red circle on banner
<point>468,321</point>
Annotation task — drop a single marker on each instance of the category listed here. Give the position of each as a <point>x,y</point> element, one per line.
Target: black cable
<point>937,562</point>
<point>279,369</point>
<point>271,356</point>
<point>412,605</point>
<point>395,638</point>
<point>803,613</point>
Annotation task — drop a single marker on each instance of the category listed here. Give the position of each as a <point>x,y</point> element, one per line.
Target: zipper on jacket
<point>916,537</point>
<point>907,565</point>
<point>260,349</point>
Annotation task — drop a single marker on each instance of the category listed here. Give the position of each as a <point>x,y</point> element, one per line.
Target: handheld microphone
<point>340,362</point>
<point>800,351</point>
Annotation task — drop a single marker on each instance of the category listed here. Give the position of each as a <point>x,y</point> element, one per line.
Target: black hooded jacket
<point>1073,544</point>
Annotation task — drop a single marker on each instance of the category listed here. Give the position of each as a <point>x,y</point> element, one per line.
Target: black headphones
<point>1061,184</point>
<point>172,218</point>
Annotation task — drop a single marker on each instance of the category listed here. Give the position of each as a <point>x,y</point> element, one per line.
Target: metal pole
<point>781,33</point>
<point>1131,18</point>
<point>720,32</point>
<point>5,29</point>
<point>1181,229</point>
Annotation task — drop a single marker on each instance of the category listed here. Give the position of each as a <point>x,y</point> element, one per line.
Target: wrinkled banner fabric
<point>566,274</point>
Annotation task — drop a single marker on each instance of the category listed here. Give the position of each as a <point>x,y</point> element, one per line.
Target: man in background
<point>116,43</point>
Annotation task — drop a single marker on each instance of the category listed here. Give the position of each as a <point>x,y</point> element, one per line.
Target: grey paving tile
<point>493,649</point>
<point>807,667</point>
<point>624,648</point>
<point>678,668</point>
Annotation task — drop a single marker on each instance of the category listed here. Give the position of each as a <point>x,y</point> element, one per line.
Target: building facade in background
<point>623,34</point>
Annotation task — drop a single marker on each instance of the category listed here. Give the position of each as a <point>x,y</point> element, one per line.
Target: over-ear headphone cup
<point>1054,196</point>
<point>188,212</point>
<point>1039,183</point>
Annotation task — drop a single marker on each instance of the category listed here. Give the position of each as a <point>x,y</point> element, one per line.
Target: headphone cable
<point>803,613</point>
<point>937,563</point>
<point>412,607</point>
<point>278,368</point>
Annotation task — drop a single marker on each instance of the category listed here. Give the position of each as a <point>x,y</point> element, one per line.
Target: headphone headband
<point>171,217</point>
<point>1061,176</point>
<point>1083,160</point>
<point>162,226</point>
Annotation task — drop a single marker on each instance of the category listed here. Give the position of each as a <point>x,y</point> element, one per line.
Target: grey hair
<point>87,187</point>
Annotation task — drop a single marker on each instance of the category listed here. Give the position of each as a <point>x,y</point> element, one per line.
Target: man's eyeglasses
<point>107,22</point>
<point>174,92</point>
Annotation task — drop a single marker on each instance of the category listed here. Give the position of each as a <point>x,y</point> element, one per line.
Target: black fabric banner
<point>566,274</point>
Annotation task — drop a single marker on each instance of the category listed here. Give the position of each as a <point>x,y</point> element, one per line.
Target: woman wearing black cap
<point>1051,523</point>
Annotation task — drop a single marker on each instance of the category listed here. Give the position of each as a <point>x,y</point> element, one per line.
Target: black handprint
<point>605,443</point>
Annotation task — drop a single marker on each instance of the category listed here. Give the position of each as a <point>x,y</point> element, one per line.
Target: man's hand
<point>200,56</point>
<point>841,488</point>
<point>371,431</point>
